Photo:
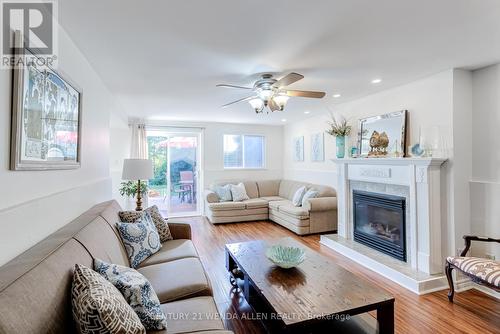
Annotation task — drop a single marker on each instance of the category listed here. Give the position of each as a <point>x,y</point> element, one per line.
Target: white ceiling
<point>162,59</point>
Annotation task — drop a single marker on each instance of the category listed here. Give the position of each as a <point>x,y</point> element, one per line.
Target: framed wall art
<point>298,148</point>
<point>317,147</point>
<point>46,118</point>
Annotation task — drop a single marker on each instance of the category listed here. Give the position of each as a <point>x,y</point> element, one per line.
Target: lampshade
<point>281,100</point>
<point>137,169</point>
<point>257,104</point>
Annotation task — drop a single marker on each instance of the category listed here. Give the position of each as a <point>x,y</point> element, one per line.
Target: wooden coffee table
<point>314,296</point>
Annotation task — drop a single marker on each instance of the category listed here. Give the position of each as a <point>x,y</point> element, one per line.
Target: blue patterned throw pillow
<point>224,193</point>
<point>137,291</point>
<point>141,239</point>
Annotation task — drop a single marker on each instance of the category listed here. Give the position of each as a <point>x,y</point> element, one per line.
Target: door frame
<point>169,132</point>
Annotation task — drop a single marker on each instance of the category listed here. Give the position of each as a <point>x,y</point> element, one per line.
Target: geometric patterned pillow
<point>238,192</point>
<point>137,291</point>
<point>141,239</point>
<point>311,193</point>
<point>98,307</point>
<point>158,220</point>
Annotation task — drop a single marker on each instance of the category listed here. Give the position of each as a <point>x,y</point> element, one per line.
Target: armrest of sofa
<point>321,204</point>
<point>180,230</point>
<point>211,197</point>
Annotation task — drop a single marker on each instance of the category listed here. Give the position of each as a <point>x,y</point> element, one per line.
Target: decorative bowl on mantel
<point>286,257</point>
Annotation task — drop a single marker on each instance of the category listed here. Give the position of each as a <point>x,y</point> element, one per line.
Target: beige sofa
<point>271,199</point>
<point>35,287</point>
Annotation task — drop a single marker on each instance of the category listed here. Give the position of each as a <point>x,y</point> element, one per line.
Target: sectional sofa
<point>35,287</point>
<point>272,199</point>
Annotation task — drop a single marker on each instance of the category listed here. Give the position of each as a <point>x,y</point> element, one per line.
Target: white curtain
<point>139,144</point>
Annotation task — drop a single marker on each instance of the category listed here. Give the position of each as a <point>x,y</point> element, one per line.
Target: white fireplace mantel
<point>422,177</point>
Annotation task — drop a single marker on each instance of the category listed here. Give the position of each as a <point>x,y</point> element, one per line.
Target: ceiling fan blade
<point>240,100</point>
<point>288,79</point>
<point>273,105</point>
<point>305,93</point>
<point>232,86</point>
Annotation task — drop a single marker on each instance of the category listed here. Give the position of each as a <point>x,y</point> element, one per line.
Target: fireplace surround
<point>380,222</point>
<point>418,181</point>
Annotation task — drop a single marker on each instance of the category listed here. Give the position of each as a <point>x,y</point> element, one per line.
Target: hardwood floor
<point>472,311</point>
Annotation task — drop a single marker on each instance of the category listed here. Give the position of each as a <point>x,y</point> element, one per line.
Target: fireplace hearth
<point>379,222</point>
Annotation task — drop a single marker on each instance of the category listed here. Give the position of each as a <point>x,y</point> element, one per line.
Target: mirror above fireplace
<point>383,136</point>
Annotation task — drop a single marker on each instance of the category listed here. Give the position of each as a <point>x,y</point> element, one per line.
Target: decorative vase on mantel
<point>340,143</point>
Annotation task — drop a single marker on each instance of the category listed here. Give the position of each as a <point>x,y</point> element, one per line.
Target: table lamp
<point>137,169</point>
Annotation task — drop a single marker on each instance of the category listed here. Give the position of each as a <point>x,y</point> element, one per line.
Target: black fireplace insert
<point>380,222</point>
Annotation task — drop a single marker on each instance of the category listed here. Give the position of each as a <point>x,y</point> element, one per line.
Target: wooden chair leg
<point>448,270</point>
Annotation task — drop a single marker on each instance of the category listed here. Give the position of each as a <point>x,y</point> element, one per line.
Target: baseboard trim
<point>418,286</point>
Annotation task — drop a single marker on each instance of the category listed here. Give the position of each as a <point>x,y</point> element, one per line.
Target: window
<point>243,151</point>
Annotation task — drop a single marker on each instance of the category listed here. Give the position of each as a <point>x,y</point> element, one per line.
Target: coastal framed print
<point>298,148</point>
<point>317,147</point>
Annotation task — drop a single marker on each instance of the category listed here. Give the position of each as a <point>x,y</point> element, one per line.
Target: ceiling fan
<point>270,92</point>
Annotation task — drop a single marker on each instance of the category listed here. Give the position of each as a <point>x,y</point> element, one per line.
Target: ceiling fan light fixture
<point>265,94</point>
<point>257,104</point>
<point>281,100</point>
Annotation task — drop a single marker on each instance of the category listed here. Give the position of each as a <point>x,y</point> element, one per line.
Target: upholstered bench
<point>481,271</point>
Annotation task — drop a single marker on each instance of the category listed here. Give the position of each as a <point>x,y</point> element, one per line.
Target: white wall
<point>485,183</point>
<point>120,138</point>
<point>428,101</point>
<point>34,204</point>
<point>214,155</point>
<point>459,222</point>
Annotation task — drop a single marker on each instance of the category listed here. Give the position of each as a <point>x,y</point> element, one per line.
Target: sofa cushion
<point>276,204</point>
<point>99,238</point>
<point>268,187</point>
<point>98,307</point>
<point>137,291</point>
<point>200,315</point>
<point>272,198</point>
<point>297,212</point>
<point>158,220</point>
<point>251,189</point>
<point>44,286</point>
<point>170,251</point>
<point>240,213</point>
<point>255,203</point>
<point>288,188</point>
<point>288,221</point>
<point>141,239</point>
<point>485,269</point>
<point>183,278</point>
<point>226,206</point>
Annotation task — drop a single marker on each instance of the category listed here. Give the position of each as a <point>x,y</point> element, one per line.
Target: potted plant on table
<point>128,189</point>
<point>340,129</point>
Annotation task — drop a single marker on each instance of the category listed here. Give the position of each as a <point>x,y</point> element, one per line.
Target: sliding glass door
<point>176,157</point>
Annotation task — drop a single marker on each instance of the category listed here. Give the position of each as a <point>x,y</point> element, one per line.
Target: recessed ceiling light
<point>336,96</point>
<point>283,120</point>
<point>307,112</point>
<point>376,81</point>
